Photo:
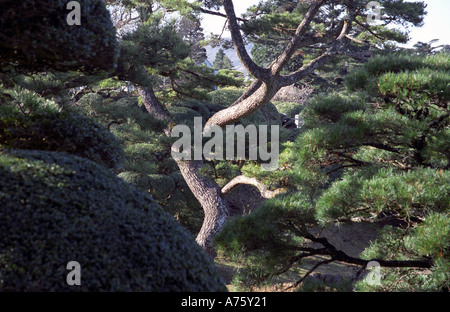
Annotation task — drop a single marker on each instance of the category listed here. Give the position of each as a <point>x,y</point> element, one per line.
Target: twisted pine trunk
<point>208,193</point>
<point>267,82</point>
<point>205,189</point>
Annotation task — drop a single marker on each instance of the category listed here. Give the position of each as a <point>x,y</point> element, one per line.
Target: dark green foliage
<point>290,109</point>
<point>185,207</point>
<point>366,194</point>
<point>148,164</point>
<point>225,96</point>
<point>222,61</point>
<point>152,46</point>
<point>60,132</point>
<point>275,226</point>
<point>232,74</point>
<point>198,106</point>
<point>56,208</point>
<point>184,115</point>
<point>35,36</point>
<point>160,186</point>
<point>330,108</point>
<point>379,155</point>
<point>376,66</point>
<point>430,238</point>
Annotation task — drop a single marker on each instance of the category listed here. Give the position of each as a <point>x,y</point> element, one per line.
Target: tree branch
<point>339,255</point>
<point>296,41</point>
<point>256,84</point>
<point>251,181</point>
<point>154,107</point>
<point>255,70</point>
<point>246,107</point>
<point>383,147</point>
<point>309,273</point>
<point>322,59</point>
<point>203,10</point>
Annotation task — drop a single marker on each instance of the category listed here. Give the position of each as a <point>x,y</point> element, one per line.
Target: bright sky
<point>437,21</point>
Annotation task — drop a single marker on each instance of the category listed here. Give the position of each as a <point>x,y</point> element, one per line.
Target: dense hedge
<point>56,208</point>
<point>36,36</point>
<point>60,132</point>
<point>225,96</point>
<point>290,109</point>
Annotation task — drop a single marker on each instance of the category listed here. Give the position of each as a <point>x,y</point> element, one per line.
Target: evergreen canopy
<point>377,152</point>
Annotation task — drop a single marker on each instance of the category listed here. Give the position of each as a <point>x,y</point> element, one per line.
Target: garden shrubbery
<point>46,41</point>
<point>60,132</point>
<point>57,208</point>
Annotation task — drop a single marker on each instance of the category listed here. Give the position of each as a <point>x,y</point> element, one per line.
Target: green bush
<point>46,41</point>
<point>61,132</point>
<point>290,109</point>
<point>375,157</point>
<point>330,108</point>
<point>162,185</point>
<point>141,181</point>
<point>387,191</point>
<point>184,115</point>
<point>366,76</point>
<point>195,105</point>
<point>57,208</point>
<point>266,115</point>
<point>225,96</point>
<point>172,193</point>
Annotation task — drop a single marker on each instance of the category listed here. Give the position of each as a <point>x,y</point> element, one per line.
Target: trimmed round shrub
<point>266,115</point>
<point>46,41</point>
<point>141,181</point>
<point>60,132</point>
<point>162,185</point>
<point>56,208</point>
<point>184,115</point>
<point>90,99</point>
<point>290,109</point>
<point>198,106</point>
<point>225,96</point>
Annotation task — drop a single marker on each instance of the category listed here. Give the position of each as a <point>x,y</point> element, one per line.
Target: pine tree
<point>190,30</point>
<point>326,26</point>
<point>376,153</point>
<point>222,61</point>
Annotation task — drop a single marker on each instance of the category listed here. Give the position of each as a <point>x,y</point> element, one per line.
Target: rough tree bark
<point>205,189</point>
<point>268,81</point>
<point>265,193</point>
<point>208,193</point>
